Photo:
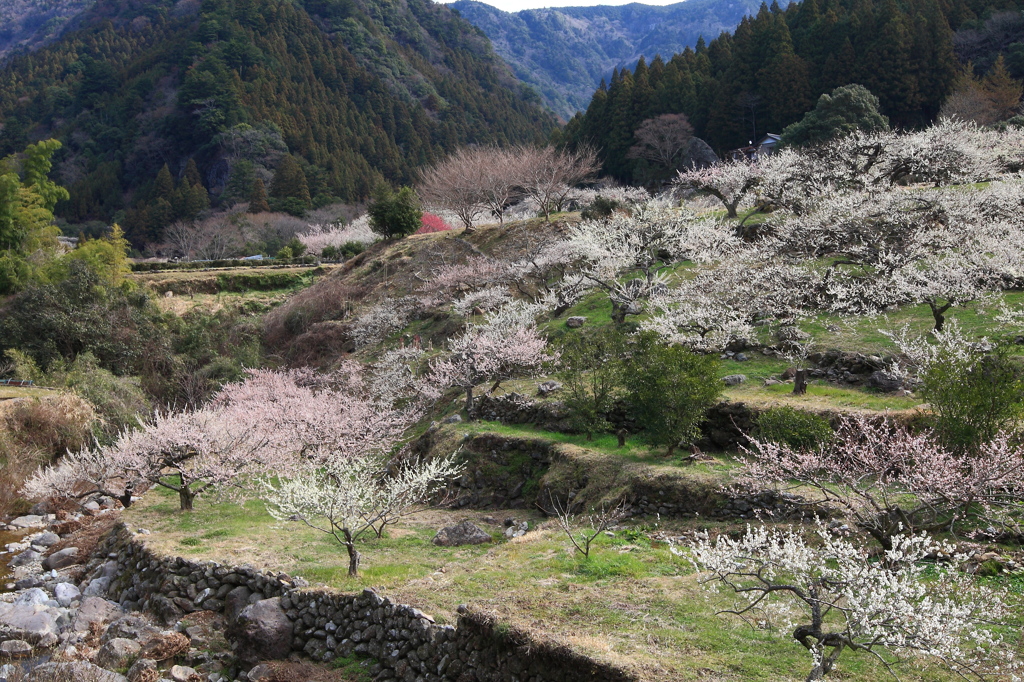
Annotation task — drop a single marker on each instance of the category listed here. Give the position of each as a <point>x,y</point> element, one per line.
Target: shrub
<point>590,368</point>
<point>394,214</point>
<point>670,390</point>
<point>431,223</point>
<point>600,208</point>
<point>796,428</point>
<point>973,397</point>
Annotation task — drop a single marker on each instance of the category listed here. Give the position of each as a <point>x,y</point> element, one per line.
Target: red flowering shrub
<point>432,223</point>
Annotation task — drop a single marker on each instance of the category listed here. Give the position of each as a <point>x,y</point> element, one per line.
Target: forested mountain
<point>564,52</point>
<point>773,67</point>
<point>354,91</point>
<point>29,23</point>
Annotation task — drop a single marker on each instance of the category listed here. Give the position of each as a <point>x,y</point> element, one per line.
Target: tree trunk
<point>469,402</point>
<point>590,435</point>
<point>186,497</point>
<point>621,434</point>
<point>670,451</point>
<point>800,382</point>
<point>618,313</point>
<point>938,312</point>
<point>731,209</point>
<point>353,556</point>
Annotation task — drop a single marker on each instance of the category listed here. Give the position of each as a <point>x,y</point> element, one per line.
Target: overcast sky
<point>516,5</point>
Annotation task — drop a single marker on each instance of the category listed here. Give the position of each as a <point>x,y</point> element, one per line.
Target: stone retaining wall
<point>405,643</point>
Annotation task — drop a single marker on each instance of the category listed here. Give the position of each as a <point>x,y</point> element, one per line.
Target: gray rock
<point>95,610</point>
<point>880,380</point>
<point>261,632</point>
<point>236,600</point>
<point>91,505</point>
<point>27,582</point>
<point>13,648</point>
<point>698,155</point>
<point>131,627</point>
<point>32,597</point>
<point>117,653</point>
<point>9,670</point>
<point>452,419</point>
<point>46,540</point>
<point>260,672</point>
<point>29,521</point>
<point>97,587</point>
<point>740,357</point>
<point>33,623</point>
<point>182,673</point>
<point>575,322</point>
<point>548,387</point>
<point>27,557</point>
<point>734,379</point>
<point>465,533</point>
<point>75,671</point>
<point>143,670</point>
<point>62,559</point>
<point>65,593</point>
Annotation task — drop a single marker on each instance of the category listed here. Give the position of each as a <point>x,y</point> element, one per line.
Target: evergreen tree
<point>849,108</point>
<point>258,197</point>
<point>192,176</point>
<point>1003,91</point>
<point>163,188</point>
<point>394,214</point>
<point>289,189</point>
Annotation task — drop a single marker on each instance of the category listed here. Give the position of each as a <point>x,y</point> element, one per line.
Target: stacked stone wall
<point>406,643</point>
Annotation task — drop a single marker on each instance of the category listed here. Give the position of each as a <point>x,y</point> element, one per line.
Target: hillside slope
<point>358,90</point>
<point>565,52</point>
<point>27,24</point>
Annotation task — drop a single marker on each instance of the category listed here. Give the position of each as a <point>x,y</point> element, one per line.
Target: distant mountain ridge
<point>565,51</point>
<point>27,24</point>
<point>358,91</point>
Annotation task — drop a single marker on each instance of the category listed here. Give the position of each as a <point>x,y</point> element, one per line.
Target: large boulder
<point>261,632</point>
<point>96,610</point>
<point>62,559</point>
<point>698,155</point>
<point>25,558</point>
<point>465,533</point>
<point>117,653</point>
<point>29,521</point>
<point>34,623</point>
<point>880,380</point>
<point>65,593</point>
<point>74,671</point>
<point>236,600</point>
<point>143,670</point>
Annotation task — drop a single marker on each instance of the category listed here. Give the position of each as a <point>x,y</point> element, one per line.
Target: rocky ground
<point>57,624</point>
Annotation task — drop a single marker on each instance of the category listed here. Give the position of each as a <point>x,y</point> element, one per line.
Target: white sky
<point>516,5</point>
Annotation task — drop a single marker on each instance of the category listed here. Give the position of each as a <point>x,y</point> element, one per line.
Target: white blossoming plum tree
<point>834,597</point>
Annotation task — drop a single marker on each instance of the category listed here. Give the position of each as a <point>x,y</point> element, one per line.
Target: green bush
<point>669,390</point>
<point>600,208</point>
<point>590,371</point>
<point>798,429</point>
<point>394,214</point>
<point>973,398</point>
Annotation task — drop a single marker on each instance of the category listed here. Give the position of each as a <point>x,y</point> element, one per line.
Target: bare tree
<point>549,174</point>
<point>582,530</point>
<point>662,139</point>
<point>182,239</point>
<point>474,180</point>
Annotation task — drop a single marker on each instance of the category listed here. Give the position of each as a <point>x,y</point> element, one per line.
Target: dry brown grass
<point>34,432</point>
